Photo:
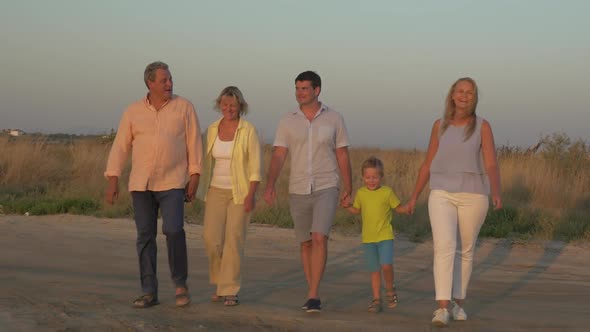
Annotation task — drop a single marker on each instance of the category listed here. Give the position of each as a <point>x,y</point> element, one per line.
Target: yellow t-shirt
<point>375,206</point>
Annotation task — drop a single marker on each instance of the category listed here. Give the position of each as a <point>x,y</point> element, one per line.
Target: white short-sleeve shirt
<point>312,145</point>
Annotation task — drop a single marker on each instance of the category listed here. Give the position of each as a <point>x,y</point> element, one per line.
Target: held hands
<point>345,201</point>
<point>402,209</point>
<point>410,206</point>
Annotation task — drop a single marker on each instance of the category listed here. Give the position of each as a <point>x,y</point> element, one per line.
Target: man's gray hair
<point>150,71</point>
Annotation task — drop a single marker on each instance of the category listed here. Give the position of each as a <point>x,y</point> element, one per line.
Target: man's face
<point>305,93</point>
<point>161,86</point>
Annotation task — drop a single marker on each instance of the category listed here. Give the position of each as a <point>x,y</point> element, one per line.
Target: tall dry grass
<point>546,194</point>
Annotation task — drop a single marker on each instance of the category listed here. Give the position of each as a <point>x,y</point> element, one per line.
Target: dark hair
<point>372,162</point>
<point>311,76</point>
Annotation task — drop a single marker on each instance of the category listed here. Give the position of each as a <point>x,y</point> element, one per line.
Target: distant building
<point>15,132</point>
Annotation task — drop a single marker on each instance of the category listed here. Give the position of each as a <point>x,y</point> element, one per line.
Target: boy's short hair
<point>372,162</point>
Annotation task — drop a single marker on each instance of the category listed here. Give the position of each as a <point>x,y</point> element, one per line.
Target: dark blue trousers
<point>146,205</point>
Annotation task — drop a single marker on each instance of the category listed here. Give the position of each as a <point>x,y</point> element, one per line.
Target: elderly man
<point>162,133</point>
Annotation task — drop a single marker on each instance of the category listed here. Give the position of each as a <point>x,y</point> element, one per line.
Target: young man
<point>162,132</point>
<point>318,141</point>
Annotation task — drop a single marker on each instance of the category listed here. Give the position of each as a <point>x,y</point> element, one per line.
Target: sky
<point>386,66</point>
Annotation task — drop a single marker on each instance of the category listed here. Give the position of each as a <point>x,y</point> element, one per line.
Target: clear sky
<point>385,65</point>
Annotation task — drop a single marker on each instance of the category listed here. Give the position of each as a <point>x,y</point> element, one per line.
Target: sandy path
<point>79,273</point>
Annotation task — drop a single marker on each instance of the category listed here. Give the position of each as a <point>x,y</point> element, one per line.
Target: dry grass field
<point>546,192</point>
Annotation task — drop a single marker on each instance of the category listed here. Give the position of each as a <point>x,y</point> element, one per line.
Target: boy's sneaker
<point>314,305</point>
<point>441,317</point>
<point>458,312</point>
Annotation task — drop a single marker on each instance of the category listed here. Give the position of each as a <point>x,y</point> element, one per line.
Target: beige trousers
<point>224,236</point>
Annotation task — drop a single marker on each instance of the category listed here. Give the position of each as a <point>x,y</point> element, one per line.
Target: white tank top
<point>222,152</point>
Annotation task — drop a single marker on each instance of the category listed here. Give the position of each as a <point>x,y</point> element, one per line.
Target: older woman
<point>462,167</point>
<point>231,174</point>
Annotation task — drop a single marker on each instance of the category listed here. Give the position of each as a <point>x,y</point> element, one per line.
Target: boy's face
<point>372,178</point>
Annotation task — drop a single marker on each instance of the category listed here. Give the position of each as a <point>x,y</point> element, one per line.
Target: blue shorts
<point>377,254</point>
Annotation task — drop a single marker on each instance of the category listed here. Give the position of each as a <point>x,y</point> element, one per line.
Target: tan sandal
<point>375,306</point>
<point>231,301</point>
<point>146,301</point>
<point>392,298</point>
<point>216,298</point>
<point>183,299</point>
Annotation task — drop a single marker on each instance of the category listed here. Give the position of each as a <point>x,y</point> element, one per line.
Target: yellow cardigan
<point>245,163</point>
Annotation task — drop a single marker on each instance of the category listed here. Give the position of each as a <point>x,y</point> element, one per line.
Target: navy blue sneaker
<point>305,305</point>
<point>314,305</point>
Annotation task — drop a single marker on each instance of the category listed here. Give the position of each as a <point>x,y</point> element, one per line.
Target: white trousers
<point>456,219</point>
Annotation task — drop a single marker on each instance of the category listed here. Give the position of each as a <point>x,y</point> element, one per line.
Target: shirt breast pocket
<point>173,126</point>
<point>326,134</point>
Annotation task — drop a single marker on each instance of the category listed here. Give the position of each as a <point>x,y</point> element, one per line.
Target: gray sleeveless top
<point>458,164</point>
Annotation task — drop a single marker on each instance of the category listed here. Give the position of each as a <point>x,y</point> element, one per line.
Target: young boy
<point>374,202</point>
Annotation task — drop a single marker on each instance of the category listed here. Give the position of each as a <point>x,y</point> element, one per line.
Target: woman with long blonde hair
<point>462,168</point>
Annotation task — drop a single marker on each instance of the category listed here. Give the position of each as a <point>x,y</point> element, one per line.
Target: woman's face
<point>230,108</point>
<point>463,95</point>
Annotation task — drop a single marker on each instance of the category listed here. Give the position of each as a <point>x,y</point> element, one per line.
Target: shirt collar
<point>216,123</point>
<point>146,100</point>
<point>323,107</point>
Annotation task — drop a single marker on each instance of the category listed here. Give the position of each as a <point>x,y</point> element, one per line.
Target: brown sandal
<point>375,306</point>
<point>145,301</point>
<point>392,298</point>
<point>231,301</point>
<point>183,299</point>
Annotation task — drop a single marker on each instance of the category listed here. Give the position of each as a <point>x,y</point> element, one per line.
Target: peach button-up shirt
<point>165,145</point>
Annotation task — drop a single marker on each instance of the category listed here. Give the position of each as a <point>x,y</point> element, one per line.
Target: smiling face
<point>372,178</point>
<point>230,108</point>
<point>463,97</point>
<point>161,87</point>
<point>305,93</point>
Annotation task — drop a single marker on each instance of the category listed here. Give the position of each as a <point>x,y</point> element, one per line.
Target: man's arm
<point>117,158</point>
<point>194,153</point>
<point>191,187</point>
<point>343,159</point>
<point>112,192</point>
<point>279,155</point>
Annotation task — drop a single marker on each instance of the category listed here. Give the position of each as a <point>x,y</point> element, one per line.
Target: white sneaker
<point>459,313</point>
<point>441,317</point>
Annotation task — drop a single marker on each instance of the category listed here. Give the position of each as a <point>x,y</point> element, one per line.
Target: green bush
<point>509,221</point>
<point>44,206</point>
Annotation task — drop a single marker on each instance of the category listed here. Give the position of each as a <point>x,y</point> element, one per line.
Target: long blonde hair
<point>450,108</point>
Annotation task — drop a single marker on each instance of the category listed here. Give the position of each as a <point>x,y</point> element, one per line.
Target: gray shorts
<point>313,213</point>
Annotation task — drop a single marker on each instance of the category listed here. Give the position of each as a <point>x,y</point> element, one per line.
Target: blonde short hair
<point>232,91</point>
<point>372,162</point>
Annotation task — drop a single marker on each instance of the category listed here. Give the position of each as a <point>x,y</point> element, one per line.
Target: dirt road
<point>76,273</point>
